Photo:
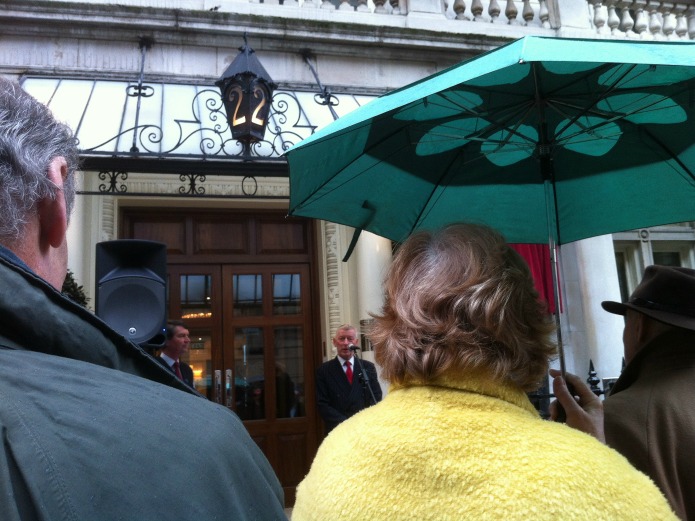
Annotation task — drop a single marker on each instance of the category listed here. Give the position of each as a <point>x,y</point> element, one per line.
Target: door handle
<point>218,386</point>
<point>229,387</point>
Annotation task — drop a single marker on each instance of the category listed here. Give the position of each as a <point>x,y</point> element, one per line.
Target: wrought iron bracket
<point>114,183</point>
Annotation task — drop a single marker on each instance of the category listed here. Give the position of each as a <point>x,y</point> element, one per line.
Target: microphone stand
<point>363,375</point>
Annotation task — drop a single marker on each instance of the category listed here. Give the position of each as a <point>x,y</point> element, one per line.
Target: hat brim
<point>616,308</point>
<point>672,319</point>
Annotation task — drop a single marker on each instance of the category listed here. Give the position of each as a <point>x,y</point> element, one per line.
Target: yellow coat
<point>469,449</point>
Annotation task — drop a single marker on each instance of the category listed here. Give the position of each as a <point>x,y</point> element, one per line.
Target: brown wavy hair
<point>457,300</point>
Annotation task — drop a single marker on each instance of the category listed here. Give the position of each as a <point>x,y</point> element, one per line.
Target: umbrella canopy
<point>543,138</point>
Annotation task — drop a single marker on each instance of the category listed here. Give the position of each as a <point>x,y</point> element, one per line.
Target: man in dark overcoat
<point>649,416</point>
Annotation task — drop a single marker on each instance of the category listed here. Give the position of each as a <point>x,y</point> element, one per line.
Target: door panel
<point>200,359</point>
<point>267,325</point>
<point>269,337</point>
<point>251,351</point>
<point>289,372</point>
<point>249,368</point>
<point>241,282</point>
<point>195,297</point>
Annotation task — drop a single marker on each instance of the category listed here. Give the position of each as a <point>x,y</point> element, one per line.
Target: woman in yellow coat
<point>461,338</point>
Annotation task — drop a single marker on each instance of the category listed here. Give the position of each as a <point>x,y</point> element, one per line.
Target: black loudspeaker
<point>131,289</point>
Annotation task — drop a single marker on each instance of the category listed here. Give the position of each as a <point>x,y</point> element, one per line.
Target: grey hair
<point>30,138</point>
<point>347,327</point>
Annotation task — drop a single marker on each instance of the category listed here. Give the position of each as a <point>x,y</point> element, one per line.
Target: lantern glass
<point>247,102</point>
<point>247,93</point>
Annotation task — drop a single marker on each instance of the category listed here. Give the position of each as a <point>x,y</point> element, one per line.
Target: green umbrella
<point>548,140</point>
<point>600,131</point>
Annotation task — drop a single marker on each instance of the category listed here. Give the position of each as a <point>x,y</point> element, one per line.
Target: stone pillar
<point>590,277</point>
<point>373,256</point>
<point>77,240</point>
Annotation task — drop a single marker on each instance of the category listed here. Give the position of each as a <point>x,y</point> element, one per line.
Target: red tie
<point>348,371</point>
<point>177,370</point>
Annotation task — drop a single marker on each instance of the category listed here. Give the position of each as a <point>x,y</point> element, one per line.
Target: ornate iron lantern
<point>247,92</point>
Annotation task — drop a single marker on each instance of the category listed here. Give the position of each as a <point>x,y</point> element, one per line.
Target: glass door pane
<point>249,371</point>
<point>248,294</point>
<point>267,322</point>
<point>287,294</point>
<point>196,295</point>
<point>289,372</point>
<point>199,357</point>
<point>195,299</point>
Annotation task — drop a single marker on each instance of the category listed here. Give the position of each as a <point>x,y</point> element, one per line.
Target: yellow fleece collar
<point>478,383</point>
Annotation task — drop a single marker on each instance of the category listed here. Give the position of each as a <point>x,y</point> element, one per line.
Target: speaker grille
<point>133,306</point>
<point>131,289</point>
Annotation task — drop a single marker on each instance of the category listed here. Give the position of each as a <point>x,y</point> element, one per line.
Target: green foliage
<point>74,291</point>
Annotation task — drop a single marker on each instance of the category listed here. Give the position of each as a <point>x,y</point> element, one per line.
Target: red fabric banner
<point>537,256</point>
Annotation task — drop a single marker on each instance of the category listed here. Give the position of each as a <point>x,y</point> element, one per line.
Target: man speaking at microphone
<point>346,384</point>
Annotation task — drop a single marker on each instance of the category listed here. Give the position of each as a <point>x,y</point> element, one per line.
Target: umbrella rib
<point>602,96</point>
<point>435,186</point>
<point>315,197</point>
<point>609,117</point>
<point>308,197</point>
<point>666,149</point>
<point>543,144</point>
<point>519,116</point>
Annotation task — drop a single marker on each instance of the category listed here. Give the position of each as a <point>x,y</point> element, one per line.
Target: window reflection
<point>199,357</point>
<point>248,295</point>
<point>196,301</point>
<point>249,379</point>
<point>667,258</point>
<point>289,372</point>
<point>287,294</point>
<point>622,275</point>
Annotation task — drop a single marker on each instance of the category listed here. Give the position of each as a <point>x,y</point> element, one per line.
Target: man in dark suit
<point>343,384</point>
<point>177,342</point>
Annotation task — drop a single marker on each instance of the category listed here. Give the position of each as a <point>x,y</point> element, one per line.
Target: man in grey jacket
<point>92,426</point>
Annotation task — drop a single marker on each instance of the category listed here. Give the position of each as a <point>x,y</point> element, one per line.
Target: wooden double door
<point>250,312</point>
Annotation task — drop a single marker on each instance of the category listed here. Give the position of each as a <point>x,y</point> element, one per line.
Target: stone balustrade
<point>500,19</point>
<point>510,12</point>
<point>633,19</point>
<point>644,19</point>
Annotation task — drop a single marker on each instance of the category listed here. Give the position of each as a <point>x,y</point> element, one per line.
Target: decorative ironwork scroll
<point>192,189</point>
<point>206,134</point>
<point>182,130</point>
<point>113,179</point>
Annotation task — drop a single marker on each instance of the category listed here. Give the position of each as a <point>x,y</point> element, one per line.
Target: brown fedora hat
<point>666,294</point>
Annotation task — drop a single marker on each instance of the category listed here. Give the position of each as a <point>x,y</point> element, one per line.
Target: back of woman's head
<point>461,300</point>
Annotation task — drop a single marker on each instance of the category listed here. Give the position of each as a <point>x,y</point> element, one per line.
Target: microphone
<point>353,347</point>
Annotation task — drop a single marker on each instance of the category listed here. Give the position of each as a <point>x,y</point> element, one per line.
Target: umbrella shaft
<point>554,254</point>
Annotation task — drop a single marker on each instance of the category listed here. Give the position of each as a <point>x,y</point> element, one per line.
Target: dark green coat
<point>95,429</point>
